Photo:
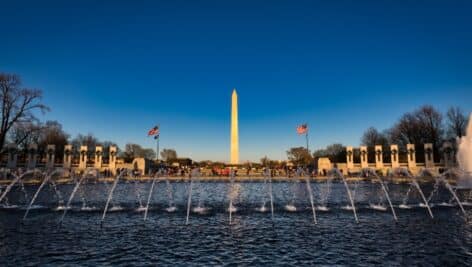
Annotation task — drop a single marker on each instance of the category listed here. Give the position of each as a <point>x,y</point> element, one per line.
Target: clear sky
<point>116,68</point>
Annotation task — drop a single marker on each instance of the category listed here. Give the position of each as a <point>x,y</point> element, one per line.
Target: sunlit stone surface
<point>234,129</point>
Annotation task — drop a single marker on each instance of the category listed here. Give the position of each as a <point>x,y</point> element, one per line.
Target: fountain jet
<point>158,174</point>
<point>268,187</point>
<point>231,195</point>
<point>384,188</point>
<point>338,174</point>
<point>415,184</point>
<point>74,191</point>
<point>45,181</point>
<point>301,173</point>
<point>16,180</point>
<point>464,155</point>
<point>442,179</point>
<point>195,174</point>
<point>110,194</point>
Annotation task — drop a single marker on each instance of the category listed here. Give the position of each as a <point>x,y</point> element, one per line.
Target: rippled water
<point>253,238</point>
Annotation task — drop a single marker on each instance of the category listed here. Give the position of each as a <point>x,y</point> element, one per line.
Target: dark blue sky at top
<point>115,68</point>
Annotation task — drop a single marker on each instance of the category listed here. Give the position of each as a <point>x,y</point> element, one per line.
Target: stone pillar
<point>32,156</point>
<point>410,148</point>
<point>428,156</point>
<point>378,157</point>
<point>112,160</point>
<point>12,156</point>
<point>67,156</point>
<point>364,157</point>
<point>448,155</point>
<point>394,156</point>
<point>98,156</point>
<point>83,157</point>
<point>350,157</point>
<point>50,156</point>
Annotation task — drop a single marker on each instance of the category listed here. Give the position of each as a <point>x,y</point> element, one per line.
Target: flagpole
<point>157,149</point>
<point>306,136</point>
<point>307,142</point>
<point>157,142</point>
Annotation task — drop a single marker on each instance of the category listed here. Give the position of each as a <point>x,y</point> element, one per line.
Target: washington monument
<point>234,129</point>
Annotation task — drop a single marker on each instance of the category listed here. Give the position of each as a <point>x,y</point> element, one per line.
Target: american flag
<point>302,129</point>
<point>154,131</point>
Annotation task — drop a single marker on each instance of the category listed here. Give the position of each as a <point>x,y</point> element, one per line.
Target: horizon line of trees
<point>423,125</point>
<point>19,125</point>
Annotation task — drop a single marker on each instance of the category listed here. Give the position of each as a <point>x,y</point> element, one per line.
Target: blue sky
<point>116,68</point>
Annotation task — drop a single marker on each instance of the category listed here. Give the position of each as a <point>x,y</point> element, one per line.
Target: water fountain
<point>197,189</point>
<point>95,175</point>
<point>58,193</point>
<point>46,180</point>
<point>268,186</point>
<point>161,174</point>
<point>338,174</point>
<point>324,191</point>
<point>195,181</point>
<point>295,189</point>
<point>154,180</point>
<point>171,207</point>
<point>137,193</point>
<point>301,173</point>
<point>372,173</point>
<point>149,197</point>
<point>87,174</point>
<point>413,184</point>
<point>110,194</point>
<point>290,227</point>
<point>23,189</point>
<point>464,156</point>
<point>290,207</point>
<point>19,179</point>
<point>441,180</point>
<point>232,194</point>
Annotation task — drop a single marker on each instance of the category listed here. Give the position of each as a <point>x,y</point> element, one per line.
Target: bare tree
<point>419,127</point>
<point>147,153</point>
<point>406,131</point>
<point>133,151</point>
<point>456,122</point>
<point>335,152</point>
<point>168,155</point>
<point>53,134</point>
<point>106,149</point>
<point>18,104</point>
<point>431,123</point>
<point>88,140</point>
<point>25,134</point>
<point>422,126</point>
<point>373,137</point>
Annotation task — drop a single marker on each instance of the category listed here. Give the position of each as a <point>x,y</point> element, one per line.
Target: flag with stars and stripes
<point>302,129</point>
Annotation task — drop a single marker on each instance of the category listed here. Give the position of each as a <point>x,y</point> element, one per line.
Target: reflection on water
<point>253,238</point>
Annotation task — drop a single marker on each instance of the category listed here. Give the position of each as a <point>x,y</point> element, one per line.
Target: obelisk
<point>234,129</point>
